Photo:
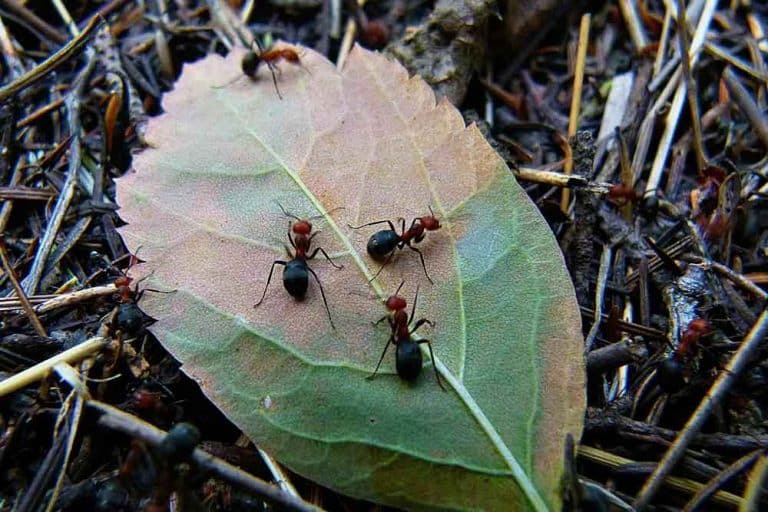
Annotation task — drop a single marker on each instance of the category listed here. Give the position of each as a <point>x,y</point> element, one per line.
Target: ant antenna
<point>285,212</point>
<point>320,216</point>
<point>401,285</point>
<point>430,210</point>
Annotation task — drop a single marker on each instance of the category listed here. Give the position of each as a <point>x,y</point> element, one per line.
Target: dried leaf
<point>203,206</point>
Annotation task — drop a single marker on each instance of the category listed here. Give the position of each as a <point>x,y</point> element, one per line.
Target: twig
<point>578,83</point>
<point>26,193</point>
<point>739,279</point>
<point>747,105</point>
<point>37,23</point>
<point>558,179</point>
<point>116,419</point>
<point>673,116</point>
<point>690,86</point>
<point>754,490</point>
<point>66,17</point>
<point>68,189</point>
<point>721,479</point>
<point>684,485</point>
<point>52,62</point>
<point>718,390</point>
<point>28,309</point>
<point>602,278</point>
<point>661,52</point>
<point>40,370</point>
<point>75,298</point>
<point>635,26</point>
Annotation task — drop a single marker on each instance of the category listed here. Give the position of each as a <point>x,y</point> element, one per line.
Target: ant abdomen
<point>130,319</point>
<point>382,243</point>
<point>296,278</point>
<point>250,64</point>
<point>408,360</point>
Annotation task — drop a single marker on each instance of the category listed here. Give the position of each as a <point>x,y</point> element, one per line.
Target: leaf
<point>203,207</point>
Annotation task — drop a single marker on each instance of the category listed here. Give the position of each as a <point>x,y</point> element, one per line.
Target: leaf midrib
<point>504,452</point>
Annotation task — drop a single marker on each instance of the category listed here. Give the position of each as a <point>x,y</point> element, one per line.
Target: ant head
<point>302,227</point>
<point>712,174</point>
<point>700,326</point>
<point>123,281</point>
<point>430,222</point>
<point>124,293</point>
<point>395,303</point>
<point>250,63</point>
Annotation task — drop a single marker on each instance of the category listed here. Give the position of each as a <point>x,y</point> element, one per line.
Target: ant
<point>382,244</point>
<point>129,317</point>
<point>622,194</point>
<point>295,273</point>
<point>408,359</point>
<point>270,56</point>
<point>671,370</point>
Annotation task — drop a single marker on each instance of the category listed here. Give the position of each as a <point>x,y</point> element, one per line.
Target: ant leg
<point>290,238</point>
<point>377,322</point>
<point>322,292</point>
<point>274,80</point>
<point>413,308</point>
<point>320,249</point>
<point>391,226</point>
<point>391,338</point>
<point>421,322</point>
<point>423,265</point>
<point>272,269</point>
<point>389,258</point>
<point>434,366</point>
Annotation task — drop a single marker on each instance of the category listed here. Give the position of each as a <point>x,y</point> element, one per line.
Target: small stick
<point>662,50</point>
<point>37,114</point>
<point>66,17</point>
<point>28,309</point>
<point>690,85</point>
<point>755,483</point>
<point>41,70</point>
<point>578,82</point>
<point>635,26</point>
<point>34,21</point>
<point>70,299</point>
<point>68,189</point>
<point>558,179</point>
<point>602,279</point>
<point>41,369</point>
<point>115,419</point>
<point>673,116</point>
<point>721,479</point>
<point>719,389</point>
<point>747,105</point>
<point>684,485</point>
<point>739,280</point>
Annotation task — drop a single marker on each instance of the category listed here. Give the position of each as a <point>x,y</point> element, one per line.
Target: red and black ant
<point>622,194</point>
<point>670,371</point>
<point>296,272</point>
<point>408,358</point>
<point>130,318</point>
<point>382,244</point>
<point>270,56</point>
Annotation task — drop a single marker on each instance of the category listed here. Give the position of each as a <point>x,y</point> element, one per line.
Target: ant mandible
<point>270,56</point>
<point>382,244</point>
<point>408,359</point>
<point>296,271</point>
